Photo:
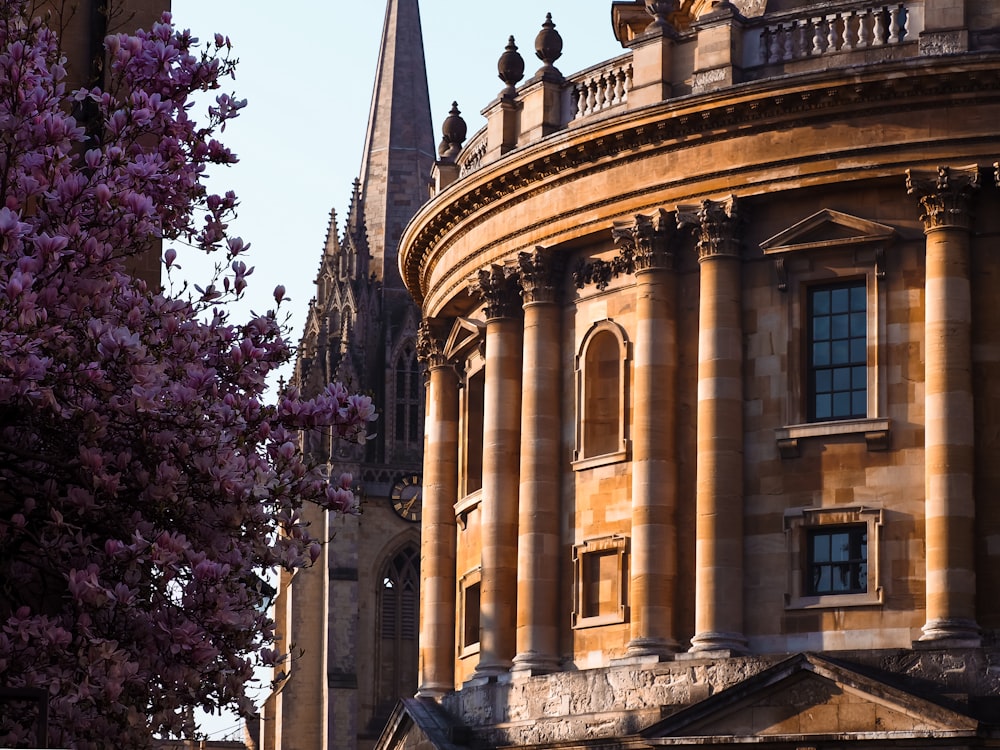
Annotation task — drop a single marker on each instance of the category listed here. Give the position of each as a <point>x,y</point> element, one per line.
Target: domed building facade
<point>713,352</point>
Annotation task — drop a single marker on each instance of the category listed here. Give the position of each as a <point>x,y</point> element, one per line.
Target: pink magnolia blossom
<point>146,483</point>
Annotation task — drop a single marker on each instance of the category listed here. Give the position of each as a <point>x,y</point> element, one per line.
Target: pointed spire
<point>399,146</point>
<point>332,245</point>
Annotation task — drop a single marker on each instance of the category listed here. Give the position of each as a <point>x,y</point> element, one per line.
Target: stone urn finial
<point>510,67</point>
<point>453,132</point>
<point>548,48</point>
<point>660,10</point>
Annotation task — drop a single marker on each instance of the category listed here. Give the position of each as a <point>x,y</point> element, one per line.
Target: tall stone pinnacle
<point>399,145</point>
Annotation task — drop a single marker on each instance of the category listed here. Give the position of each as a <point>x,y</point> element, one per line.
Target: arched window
<point>407,385</point>
<point>601,393</point>
<point>398,625</point>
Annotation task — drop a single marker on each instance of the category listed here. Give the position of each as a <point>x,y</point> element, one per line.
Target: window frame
<point>581,457</point>
<point>800,523</point>
<point>824,248</point>
<point>471,579</point>
<point>616,545</point>
<point>812,392</point>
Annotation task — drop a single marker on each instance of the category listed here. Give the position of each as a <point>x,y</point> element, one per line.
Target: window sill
<point>616,618</point>
<point>471,650</point>
<point>466,505</point>
<point>836,601</point>
<point>875,431</point>
<point>602,460</point>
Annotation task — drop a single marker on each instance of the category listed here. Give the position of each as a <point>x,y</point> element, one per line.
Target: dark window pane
<point>824,407</point>
<point>842,379</point>
<point>821,302</point>
<point>840,352</point>
<point>840,300</point>
<point>821,354</point>
<point>841,404</point>
<point>859,298</point>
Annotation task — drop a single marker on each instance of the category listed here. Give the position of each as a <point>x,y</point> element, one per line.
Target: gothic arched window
<point>398,608</point>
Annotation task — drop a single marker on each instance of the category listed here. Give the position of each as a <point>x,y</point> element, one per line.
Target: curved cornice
<point>743,109</point>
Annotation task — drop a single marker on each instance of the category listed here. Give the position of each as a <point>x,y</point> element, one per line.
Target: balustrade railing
<point>472,155</point>
<point>845,30</point>
<point>600,88</point>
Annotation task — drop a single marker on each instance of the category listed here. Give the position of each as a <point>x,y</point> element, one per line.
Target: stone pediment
<point>805,698</point>
<point>420,724</point>
<point>828,228</point>
<point>465,335</point>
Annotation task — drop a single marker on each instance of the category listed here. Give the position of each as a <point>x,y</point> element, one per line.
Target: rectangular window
<point>470,623</point>
<point>601,575</point>
<point>838,560</point>
<point>838,352</point>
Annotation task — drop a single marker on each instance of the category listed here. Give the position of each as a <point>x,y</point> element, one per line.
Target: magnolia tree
<point>145,482</point>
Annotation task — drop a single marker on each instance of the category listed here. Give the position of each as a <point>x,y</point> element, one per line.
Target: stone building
<point>350,621</point>
<point>713,349</point>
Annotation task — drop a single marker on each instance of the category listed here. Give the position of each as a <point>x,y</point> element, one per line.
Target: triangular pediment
<point>465,335</point>
<point>809,695</point>
<point>828,228</point>
<point>423,723</point>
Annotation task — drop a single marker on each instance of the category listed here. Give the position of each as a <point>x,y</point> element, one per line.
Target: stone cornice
<point>733,112</point>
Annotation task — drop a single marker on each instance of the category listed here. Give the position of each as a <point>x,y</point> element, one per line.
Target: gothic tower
<point>349,623</point>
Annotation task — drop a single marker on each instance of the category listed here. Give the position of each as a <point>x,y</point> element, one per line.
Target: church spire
<point>399,145</point>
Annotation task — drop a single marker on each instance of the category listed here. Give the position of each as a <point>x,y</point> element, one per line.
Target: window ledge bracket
<point>875,431</point>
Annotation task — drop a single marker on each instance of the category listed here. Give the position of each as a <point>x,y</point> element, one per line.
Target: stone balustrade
<point>856,27</point>
<point>600,88</point>
<point>472,155</point>
<point>770,44</point>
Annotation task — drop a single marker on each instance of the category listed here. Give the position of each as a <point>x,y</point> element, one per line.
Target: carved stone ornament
<point>643,242</point>
<point>453,132</point>
<point>945,195</point>
<point>510,68</point>
<point>540,274</point>
<point>715,224</point>
<point>497,286</point>
<point>430,347</point>
<point>548,49</point>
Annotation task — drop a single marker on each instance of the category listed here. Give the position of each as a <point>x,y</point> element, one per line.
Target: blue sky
<point>307,72</point>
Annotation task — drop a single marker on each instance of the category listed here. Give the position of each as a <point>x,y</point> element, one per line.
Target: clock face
<point>406,498</point>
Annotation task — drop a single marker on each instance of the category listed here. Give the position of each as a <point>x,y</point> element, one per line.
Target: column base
<point>490,670</point>
<point>640,648</point>
<point>713,645</point>
<point>531,663</point>
<point>433,691</point>
<point>955,632</point>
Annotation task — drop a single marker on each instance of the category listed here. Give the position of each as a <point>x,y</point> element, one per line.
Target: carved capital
<point>715,225</point>
<point>497,286</point>
<point>430,345</point>
<point>643,242</point>
<point>945,195</point>
<point>540,273</point>
<point>646,240</point>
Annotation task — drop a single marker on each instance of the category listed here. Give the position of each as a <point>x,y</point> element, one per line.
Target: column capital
<point>498,287</point>
<point>645,241</point>
<point>430,345</point>
<point>945,195</point>
<point>715,224</point>
<point>540,275</point>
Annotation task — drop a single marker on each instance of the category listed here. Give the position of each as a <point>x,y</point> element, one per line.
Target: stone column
<point>719,472</point>
<point>541,464</point>
<point>438,534</point>
<point>653,554</point>
<point>949,436</point>
<point>501,451</point>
